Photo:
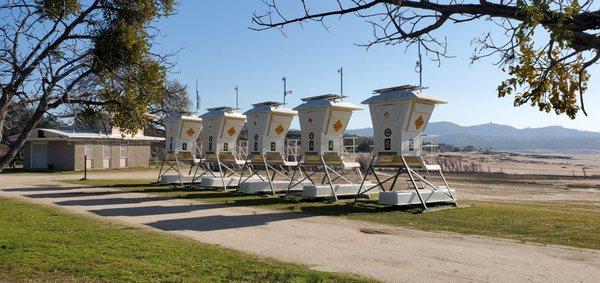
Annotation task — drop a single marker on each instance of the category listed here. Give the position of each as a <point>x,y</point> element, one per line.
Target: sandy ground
<point>323,243</point>
<point>523,189</point>
<point>536,163</point>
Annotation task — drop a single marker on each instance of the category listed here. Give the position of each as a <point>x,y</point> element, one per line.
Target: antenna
<point>285,91</point>
<point>198,102</point>
<point>419,66</point>
<point>341,72</point>
<point>284,79</point>
<point>237,89</point>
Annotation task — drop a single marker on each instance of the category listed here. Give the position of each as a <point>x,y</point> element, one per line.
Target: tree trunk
<point>4,99</point>
<point>14,148</point>
<point>2,118</point>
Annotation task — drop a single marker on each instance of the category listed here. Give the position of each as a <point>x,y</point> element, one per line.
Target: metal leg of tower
<point>287,191</point>
<point>268,175</point>
<point>448,187</point>
<point>335,198</point>
<point>413,182</point>
<point>160,170</point>
<point>364,178</point>
<point>243,170</point>
<point>221,173</point>
<point>178,171</point>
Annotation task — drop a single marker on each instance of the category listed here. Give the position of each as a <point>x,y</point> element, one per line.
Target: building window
<point>123,151</point>
<point>89,151</point>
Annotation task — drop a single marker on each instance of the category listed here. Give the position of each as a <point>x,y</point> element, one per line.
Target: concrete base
<point>258,186</point>
<point>215,182</point>
<point>409,197</point>
<point>322,191</point>
<point>174,179</point>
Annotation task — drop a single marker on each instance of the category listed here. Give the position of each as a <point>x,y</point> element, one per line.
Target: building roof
<point>221,108</point>
<point>183,115</point>
<point>270,106</point>
<point>326,101</point>
<point>403,92</point>
<point>400,87</point>
<point>329,96</point>
<point>225,111</point>
<point>268,103</point>
<point>53,134</point>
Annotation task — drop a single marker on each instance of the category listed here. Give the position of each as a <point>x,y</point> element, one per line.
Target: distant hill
<point>508,138</point>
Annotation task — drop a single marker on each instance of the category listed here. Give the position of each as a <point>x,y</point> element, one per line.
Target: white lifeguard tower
<point>399,116</point>
<point>222,127</point>
<point>182,131</point>
<point>268,124</point>
<point>323,121</point>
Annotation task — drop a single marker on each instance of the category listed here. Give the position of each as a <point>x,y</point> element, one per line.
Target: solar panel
<point>330,96</point>
<point>396,88</point>
<point>268,103</point>
<point>222,108</point>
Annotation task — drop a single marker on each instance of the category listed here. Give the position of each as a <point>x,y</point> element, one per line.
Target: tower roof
<point>403,92</point>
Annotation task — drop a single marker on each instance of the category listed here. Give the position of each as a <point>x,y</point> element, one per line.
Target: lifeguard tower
<point>222,127</point>
<point>268,124</point>
<point>323,121</point>
<point>399,116</point>
<point>182,131</point>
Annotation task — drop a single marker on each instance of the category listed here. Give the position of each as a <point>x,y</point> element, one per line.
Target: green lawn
<point>46,244</point>
<point>576,225</point>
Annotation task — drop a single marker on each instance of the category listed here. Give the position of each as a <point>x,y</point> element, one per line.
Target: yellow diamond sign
<point>190,132</point>
<point>419,122</point>
<point>279,130</point>
<point>231,131</point>
<point>337,126</point>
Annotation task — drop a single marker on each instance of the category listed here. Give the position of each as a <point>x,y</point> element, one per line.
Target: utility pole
<point>237,89</point>
<point>341,72</point>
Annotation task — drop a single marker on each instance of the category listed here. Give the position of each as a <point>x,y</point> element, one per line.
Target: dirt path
<point>323,243</point>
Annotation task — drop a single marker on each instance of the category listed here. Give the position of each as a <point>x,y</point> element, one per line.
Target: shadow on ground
<point>222,222</point>
<point>110,201</point>
<point>44,189</point>
<point>152,210</point>
<point>293,203</point>
<point>72,194</point>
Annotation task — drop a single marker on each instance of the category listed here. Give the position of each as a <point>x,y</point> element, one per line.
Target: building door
<point>89,156</point>
<point>107,152</point>
<point>39,155</point>
<point>123,156</point>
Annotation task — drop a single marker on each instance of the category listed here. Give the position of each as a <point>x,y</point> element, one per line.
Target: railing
<point>292,150</point>
<point>429,146</point>
<point>241,150</point>
<point>199,145</point>
<point>349,146</point>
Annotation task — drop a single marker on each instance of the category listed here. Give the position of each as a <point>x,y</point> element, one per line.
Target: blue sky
<point>218,48</point>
